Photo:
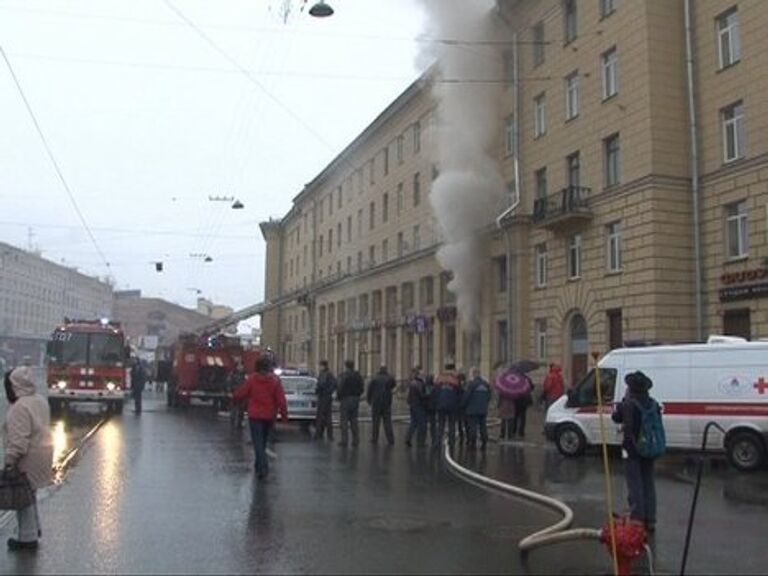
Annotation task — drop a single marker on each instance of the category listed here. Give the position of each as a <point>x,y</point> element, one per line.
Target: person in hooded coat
<point>638,471</point>
<point>553,386</point>
<point>28,447</point>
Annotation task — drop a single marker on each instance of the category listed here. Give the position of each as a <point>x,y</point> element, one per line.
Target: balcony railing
<point>568,207</point>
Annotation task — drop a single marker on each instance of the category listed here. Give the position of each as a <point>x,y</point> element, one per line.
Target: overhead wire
<point>55,163</point>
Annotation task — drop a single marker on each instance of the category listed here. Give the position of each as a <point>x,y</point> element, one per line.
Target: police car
<point>299,387</point>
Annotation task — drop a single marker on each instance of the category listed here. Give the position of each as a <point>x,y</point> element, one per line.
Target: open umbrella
<point>524,366</point>
<point>512,384</point>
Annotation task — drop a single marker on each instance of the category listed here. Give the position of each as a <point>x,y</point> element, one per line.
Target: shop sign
<point>734,293</point>
<point>744,276</point>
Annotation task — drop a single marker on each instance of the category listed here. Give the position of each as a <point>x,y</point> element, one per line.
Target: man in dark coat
<point>379,398</point>
<point>138,381</point>
<point>326,386</point>
<point>416,401</point>
<point>430,408</point>
<point>476,399</point>
<point>448,400</point>
<point>349,390</point>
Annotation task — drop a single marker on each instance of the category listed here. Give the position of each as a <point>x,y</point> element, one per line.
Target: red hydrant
<point>631,539</point>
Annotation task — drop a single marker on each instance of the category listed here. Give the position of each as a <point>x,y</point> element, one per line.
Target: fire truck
<point>202,366</point>
<point>87,363</point>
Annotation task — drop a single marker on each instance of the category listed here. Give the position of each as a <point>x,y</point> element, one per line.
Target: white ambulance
<point>723,381</point>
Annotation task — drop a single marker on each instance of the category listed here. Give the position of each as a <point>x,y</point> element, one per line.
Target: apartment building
<point>36,294</point>
<point>641,217</point>
<point>353,266</point>
<point>601,114</point>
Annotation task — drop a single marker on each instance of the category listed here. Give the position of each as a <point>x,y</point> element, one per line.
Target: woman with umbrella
<point>515,396</point>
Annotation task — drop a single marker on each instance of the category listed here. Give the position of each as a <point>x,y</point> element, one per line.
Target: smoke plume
<point>469,191</point>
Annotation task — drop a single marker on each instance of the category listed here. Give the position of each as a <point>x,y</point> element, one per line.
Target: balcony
<point>564,210</point>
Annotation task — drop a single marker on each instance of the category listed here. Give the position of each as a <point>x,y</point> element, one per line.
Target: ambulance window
<point>586,391</point>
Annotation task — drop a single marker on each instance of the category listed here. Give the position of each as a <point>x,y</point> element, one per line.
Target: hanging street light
<point>321,10</point>
<point>238,205</point>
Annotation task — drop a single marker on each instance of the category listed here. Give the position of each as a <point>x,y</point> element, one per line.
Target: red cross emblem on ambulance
<point>761,385</point>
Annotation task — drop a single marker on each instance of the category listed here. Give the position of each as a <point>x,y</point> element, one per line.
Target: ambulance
<point>723,381</point>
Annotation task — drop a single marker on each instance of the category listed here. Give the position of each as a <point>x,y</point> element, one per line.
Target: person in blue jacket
<point>477,396</point>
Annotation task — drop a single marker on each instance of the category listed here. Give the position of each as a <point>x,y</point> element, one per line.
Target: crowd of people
<point>449,405</point>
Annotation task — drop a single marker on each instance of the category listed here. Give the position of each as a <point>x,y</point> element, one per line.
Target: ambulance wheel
<point>570,440</point>
<point>745,451</point>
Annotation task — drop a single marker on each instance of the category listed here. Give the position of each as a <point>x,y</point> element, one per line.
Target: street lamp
<point>321,10</point>
<point>238,205</point>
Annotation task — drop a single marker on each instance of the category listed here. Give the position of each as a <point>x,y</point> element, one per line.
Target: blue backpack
<point>651,440</point>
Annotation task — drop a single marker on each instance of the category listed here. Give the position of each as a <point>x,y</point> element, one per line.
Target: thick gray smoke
<point>469,191</point>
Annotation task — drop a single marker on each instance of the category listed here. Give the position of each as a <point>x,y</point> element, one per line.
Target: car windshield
<point>302,385</point>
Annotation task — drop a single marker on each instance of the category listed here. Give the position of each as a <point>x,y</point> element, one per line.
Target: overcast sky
<point>148,115</point>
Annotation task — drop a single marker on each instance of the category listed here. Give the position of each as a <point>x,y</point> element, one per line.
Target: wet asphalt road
<point>174,492</point>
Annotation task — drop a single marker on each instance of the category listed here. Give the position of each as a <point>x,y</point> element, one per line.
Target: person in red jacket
<point>553,386</point>
<point>265,397</point>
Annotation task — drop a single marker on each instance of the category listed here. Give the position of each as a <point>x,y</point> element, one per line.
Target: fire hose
<point>626,540</point>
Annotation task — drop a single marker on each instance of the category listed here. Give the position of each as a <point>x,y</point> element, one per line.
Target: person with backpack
<point>643,441</point>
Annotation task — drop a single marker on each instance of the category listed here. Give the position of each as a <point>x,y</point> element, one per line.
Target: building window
<point>417,137</point>
<point>615,248</point>
<point>330,240</point>
<point>372,216</point>
<point>400,149</point>
<point>338,235</point>
<point>349,264</point>
<point>416,189</point>
<point>385,207</point>
<point>371,170</point>
<point>540,115</point>
<point>538,44</point>
<point>612,160</point>
<point>338,190</point>
<point>729,38</point>
<point>572,95</point>
<point>360,223</point>
<point>541,265</point>
<point>501,341</point>
<point>386,160</point>
<point>733,132</point>
<point>509,136</point>
<point>570,21</point>
<point>372,256</point>
<point>385,250</point>
<point>737,229</point>
<point>427,291</point>
<point>321,243</point>
<point>607,7</point>
<point>574,257</point>
<point>615,329</point>
<point>573,169</point>
<point>512,193</point>
<point>501,274</point>
<point>399,199</point>
<point>359,261</point>
<point>416,237</point>
<point>349,228</point>
<point>541,339</point>
<point>610,62</point>
<point>541,183</point>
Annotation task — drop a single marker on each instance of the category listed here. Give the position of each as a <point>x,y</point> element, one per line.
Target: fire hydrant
<point>631,539</point>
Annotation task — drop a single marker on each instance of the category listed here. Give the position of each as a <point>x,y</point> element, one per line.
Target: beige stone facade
<point>601,247</point>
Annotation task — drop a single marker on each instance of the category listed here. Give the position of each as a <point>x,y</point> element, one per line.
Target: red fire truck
<point>202,365</point>
<point>87,363</point>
